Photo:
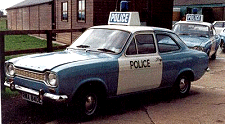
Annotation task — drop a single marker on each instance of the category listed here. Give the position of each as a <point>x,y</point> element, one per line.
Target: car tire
<point>87,103</point>
<point>222,46</point>
<point>213,57</point>
<point>182,86</point>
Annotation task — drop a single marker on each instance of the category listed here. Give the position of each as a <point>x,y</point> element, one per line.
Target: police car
<point>105,62</point>
<point>198,35</point>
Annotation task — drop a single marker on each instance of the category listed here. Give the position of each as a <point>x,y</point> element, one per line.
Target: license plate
<point>31,98</point>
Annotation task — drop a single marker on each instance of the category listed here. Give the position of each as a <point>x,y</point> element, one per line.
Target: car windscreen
<point>192,29</point>
<point>105,40</point>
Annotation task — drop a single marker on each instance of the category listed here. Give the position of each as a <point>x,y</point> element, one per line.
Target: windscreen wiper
<point>83,46</point>
<point>106,50</point>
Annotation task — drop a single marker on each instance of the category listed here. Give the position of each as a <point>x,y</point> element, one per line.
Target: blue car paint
<point>197,41</point>
<point>175,63</point>
<point>103,70</point>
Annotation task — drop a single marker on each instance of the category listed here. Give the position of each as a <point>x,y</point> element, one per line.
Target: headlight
<point>199,48</point>
<point>51,79</point>
<point>9,69</point>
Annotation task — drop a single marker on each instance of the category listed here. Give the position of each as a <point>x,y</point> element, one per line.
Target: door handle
<point>158,59</point>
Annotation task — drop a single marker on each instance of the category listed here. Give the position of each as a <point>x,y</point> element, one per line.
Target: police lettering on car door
<point>140,64</point>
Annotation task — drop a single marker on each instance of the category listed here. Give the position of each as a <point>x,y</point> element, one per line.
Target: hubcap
<point>183,85</point>
<point>90,104</point>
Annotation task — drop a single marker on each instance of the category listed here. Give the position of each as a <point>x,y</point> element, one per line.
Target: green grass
<point>8,93</point>
<point>23,42</point>
<point>3,24</point>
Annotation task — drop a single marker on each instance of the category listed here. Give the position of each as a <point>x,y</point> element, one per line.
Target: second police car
<point>198,35</point>
<point>108,61</point>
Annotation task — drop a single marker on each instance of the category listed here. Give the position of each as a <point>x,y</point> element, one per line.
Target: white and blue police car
<point>105,62</point>
<point>198,35</point>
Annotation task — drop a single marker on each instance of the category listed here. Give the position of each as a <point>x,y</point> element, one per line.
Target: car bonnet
<point>192,41</point>
<point>47,61</point>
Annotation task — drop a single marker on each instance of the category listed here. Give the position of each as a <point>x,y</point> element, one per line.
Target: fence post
<point>49,41</point>
<point>2,62</point>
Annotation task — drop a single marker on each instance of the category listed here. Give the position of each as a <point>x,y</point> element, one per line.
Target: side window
<point>166,43</point>
<point>218,24</point>
<point>145,43</point>
<point>132,48</point>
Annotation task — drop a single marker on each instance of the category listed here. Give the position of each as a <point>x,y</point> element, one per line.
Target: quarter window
<point>81,10</point>
<point>166,43</point>
<point>64,11</point>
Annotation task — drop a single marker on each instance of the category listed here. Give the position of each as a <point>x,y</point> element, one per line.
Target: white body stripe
<point>138,73</point>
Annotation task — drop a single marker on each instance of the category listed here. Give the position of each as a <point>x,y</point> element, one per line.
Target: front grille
<point>29,74</point>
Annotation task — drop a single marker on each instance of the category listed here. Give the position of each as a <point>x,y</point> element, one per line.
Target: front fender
<point>89,82</point>
<point>74,75</point>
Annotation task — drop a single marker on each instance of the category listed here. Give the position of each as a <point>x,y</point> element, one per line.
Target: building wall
<point>9,19</point>
<point>34,19</point>
<point>14,19</point>
<point>102,9</point>
<point>19,19</point>
<point>89,18</point>
<point>45,17</point>
<point>218,13</point>
<point>62,24</point>
<point>37,17</point>
<point>26,18</point>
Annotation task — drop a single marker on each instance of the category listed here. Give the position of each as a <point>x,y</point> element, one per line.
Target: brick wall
<point>19,19</point>
<point>9,18</point>
<point>62,24</point>
<point>37,17</point>
<point>102,9</point>
<point>26,17</point>
<point>218,13</point>
<point>14,21</point>
<point>45,17</point>
<point>89,17</point>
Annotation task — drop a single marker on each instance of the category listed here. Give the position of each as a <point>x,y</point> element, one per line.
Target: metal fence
<point>49,47</point>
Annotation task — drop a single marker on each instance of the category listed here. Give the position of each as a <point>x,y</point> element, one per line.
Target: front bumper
<point>41,94</point>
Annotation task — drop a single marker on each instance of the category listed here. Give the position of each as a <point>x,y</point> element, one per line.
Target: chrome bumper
<point>58,98</point>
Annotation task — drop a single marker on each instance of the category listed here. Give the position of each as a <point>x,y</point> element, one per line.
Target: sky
<point>8,3</point>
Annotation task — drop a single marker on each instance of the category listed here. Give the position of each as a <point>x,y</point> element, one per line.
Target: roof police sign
<point>119,17</point>
<point>194,17</point>
<point>124,18</point>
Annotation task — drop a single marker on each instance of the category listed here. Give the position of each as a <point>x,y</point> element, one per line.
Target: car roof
<point>219,21</point>
<point>194,22</point>
<point>131,29</point>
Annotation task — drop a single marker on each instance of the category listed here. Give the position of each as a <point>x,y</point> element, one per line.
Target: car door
<point>140,68</point>
<point>215,39</point>
<point>172,57</point>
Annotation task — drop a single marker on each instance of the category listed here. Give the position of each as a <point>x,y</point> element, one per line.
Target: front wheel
<point>182,86</point>
<point>87,103</point>
<point>222,46</point>
<point>213,57</point>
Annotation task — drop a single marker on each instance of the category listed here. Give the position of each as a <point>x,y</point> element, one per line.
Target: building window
<point>81,11</point>
<point>64,11</point>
